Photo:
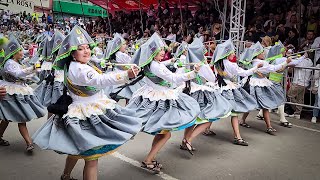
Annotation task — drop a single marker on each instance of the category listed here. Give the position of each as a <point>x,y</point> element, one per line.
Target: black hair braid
<point>220,67</point>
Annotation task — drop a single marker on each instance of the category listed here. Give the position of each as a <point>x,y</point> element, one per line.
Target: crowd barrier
<point>310,91</point>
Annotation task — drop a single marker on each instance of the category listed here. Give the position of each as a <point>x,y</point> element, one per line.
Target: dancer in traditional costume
<point>45,58</point>
<point>276,55</point>
<point>228,72</point>
<point>20,104</point>
<point>97,54</point>
<point>209,99</point>
<point>163,109</point>
<point>93,125</point>
<point>51,89</point>
<point>267,94</point>
<point>116,53</point>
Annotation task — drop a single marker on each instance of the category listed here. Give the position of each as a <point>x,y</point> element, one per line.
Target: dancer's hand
<point>196,67</point>
<point>3,92</point>
<point>289,60</point>
<point>133,72</point>
<point>260,65</point>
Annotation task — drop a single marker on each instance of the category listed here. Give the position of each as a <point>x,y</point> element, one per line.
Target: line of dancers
<point>184,93</point>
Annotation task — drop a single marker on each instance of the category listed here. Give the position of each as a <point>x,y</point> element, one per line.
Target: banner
<point>78,9</point>
<point>17,6</point>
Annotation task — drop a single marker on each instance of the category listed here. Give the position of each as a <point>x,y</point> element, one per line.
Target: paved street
<point>291,154</point>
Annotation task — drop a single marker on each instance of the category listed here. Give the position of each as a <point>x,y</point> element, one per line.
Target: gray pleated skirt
<point>240,100</point>
<point>165,115</point>
<point>212,104</point>
<point>88,138</point>
<point>48,93</point>
<point>21,108</point>
<point>268,97</point>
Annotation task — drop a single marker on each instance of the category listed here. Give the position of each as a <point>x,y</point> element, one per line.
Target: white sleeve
<point>280,60</point>
<point>15,70</point>
<point>123,58</point>
<point>207,73</point>
<point>267,68</point>
<point>234,69</point>
<point>163,72</point>
<point>297,61</point>
<point>84,75</point>
<point>95,59</point>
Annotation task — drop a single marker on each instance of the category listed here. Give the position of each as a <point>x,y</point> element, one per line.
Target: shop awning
<point>132,5</point>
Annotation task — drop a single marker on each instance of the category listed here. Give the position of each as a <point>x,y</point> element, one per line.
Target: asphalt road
<point>291,154</point>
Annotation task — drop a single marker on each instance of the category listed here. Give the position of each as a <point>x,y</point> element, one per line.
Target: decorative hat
<point>42,45</point>
<point>257,49</point>
<point>196,51</point>
<point>11,49</point>
<point>246,56</point>
<point>58,37</point>
<point>76,37</point>
<point>148,50</point>
<point>114,45</point>
<point>222,51</point>
<point>47,48</point>
<point>181,49</point>
<point>275,51</point>
<point>13,35</point>
<point>40,38</point>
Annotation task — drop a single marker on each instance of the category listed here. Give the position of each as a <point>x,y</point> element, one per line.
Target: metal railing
<point>308,79</point>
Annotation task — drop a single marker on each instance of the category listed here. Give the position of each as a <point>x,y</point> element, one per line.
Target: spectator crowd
<point>296,23</point>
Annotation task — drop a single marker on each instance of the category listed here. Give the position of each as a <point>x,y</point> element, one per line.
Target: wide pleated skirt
<point>164,110</point>
<point>268,97</point>
<point>49,93</point>
<point>20,108</point>
<point>91,137</point>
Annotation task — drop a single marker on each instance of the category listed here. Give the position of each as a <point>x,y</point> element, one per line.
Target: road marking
<point>302,127</point>
<point>137,164</point>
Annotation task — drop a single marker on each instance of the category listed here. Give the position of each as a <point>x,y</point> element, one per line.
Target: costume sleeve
<point>17,71</point>
<point>123,58</point>
<point>95,59</point>
<point>163,72</point>
<point>207,73</point>
<point>234,69</point>
<point>85,75</point>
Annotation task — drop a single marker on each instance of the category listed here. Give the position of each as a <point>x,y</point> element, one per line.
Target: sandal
<point>286,124</point>
<point>4,142</point>
<point>66,177</point>
<point>155,162</point>
<point>209,132</point>
<point>29,148</point>
<point>186,146</point>
<point>182,147</point>
<point>245,125</point>
<point>152,167</point>
<point>240,142</point>
<point>271,131</point>
<point>260,117</point>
